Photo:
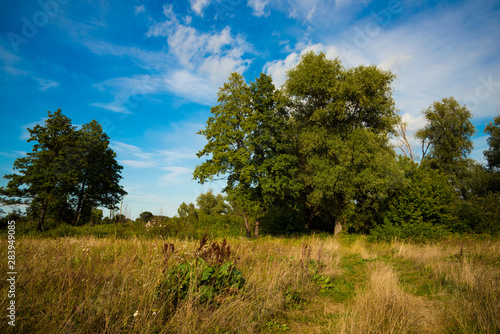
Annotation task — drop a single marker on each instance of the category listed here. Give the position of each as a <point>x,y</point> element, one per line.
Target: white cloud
<point>395,62</point>
<point>115,106</point>
<point>440,52</point>
<point>136,157</point>
<point>176,175</point>
<point>139,9</point>
<point>45,84</point>
<point>14,71</point>
<point>194,66</point>
<point>277,69</point>
<point>137,163</point>
<point>9,59</point>
<point>132,150</point>
<point>199,5</point>
<point>259,7</point>
<point>7,56</point>
<point>300,9</point>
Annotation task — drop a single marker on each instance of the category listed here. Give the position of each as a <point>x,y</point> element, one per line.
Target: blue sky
<point>149,71</point>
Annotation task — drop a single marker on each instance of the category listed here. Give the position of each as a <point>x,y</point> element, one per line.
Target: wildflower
<point>136,313</point>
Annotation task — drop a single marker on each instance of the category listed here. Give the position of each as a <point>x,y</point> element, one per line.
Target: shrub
<point>425,209</point>
<point>207,278</point>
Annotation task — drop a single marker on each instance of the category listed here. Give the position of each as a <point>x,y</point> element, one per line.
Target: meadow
<point>311,284</point>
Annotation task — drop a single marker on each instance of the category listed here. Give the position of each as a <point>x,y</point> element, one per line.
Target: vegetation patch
<point>209,276</point>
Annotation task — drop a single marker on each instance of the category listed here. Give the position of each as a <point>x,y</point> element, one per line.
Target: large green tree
<point>342,119</point>
<point>67,169</point>
<point>42,174</point>
<point>247,146</point>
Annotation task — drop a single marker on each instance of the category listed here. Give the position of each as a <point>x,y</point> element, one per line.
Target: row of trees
<point>316,155</point>
<point>68,173</point>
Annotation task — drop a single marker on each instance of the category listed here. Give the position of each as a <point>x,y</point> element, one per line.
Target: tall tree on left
<point>59,165</point>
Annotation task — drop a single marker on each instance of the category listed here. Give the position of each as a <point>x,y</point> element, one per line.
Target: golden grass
<point>89,285</point>
<point>383,307</point>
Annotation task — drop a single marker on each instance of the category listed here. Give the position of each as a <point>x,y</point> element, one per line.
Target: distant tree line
<point>316,155</point>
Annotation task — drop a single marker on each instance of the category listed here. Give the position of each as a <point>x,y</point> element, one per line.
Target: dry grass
<point>383,307</point>
<point>89,285</point>
<point>474,270</point>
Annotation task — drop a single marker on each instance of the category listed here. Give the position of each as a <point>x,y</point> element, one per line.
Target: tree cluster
<point>316,155</point>
<point>68,173</point>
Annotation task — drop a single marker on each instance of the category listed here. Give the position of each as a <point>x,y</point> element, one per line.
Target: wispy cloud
<point>139,9</point>
<point>25,135</point>
<point>176,175</point>
<point>136,157</point>
<point>199,5</point>
<point>259,7</point>
<point>425,53</point>
<point>137,164</point>
<point>45,84</point>
<point>194,66</point>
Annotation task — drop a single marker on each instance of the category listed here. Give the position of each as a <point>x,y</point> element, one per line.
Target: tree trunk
<point>247,227</point>
<point>80,204</point>
<point>79,213</point>
<point>256,235</point>
<point>41,217</point>
<point>338,226</point>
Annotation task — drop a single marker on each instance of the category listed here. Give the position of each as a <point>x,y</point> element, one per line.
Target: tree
<point>96,171</point>
<point>43,176</point>
<point>343,117</point>
<point>68,169</point>
<point>210,204</point>
<point>492,155</point>
<point>446,139</point>
<point>145,216</point>
<point>403,141</point>
<point>247,145</point>
<point>188,213</point>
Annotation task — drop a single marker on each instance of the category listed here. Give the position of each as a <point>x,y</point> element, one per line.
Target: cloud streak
<point>194,65</point>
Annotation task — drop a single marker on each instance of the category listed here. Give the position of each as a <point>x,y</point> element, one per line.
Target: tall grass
<point>474,270</point>
<point>302,285</point>
<point>383,307</point>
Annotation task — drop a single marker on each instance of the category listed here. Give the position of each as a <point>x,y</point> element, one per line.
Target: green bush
<point>423,210</point>
<point>204,281</point>
<point>418,232</point>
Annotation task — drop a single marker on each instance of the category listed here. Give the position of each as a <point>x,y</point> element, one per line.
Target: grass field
<point>302,285</point>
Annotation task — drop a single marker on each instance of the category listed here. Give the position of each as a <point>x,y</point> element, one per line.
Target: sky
<point>149,71</point>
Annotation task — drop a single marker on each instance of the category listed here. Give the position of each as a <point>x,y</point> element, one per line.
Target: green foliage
<point>425,209</point>
<point>276,327</point>
<point>96,217</point>
<point>417,232</point>
<point>207,278</point>
<point>247,143</point>
<point>68,173</point>
<point>284,220</point>
<point>428,198</point>
<point>342,118</point>
<point>481,214</point>
<point>447,136</point>
<point>324,283</point>
<point>145,216</point>
<point>492,155</point>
